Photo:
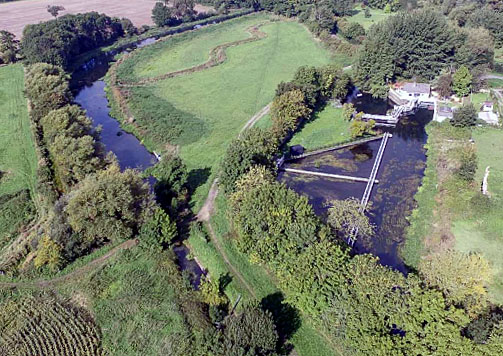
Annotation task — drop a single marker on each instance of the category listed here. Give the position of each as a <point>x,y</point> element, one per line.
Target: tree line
<point>419,44</point>
<point>59,41</point>
<point>363,306</point>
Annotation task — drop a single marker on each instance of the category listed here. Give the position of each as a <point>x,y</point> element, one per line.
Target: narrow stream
<point>89,92</point>
<point>400,174</point>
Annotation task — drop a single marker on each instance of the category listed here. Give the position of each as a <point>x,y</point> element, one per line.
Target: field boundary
<point>217,56</point>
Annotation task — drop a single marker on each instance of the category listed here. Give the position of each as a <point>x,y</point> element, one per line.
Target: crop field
<point>14,16</point>
<point>483,232</point>
<point>137,304</point>
<point>325,128</point>
<point>18,161</point>
<point>208,108</point>
<point>45,326</point>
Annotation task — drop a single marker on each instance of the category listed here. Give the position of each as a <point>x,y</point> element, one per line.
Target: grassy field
<point>326,127</point>
<point>139,301</point>
<point>376,16</point>
<point>478,98</point>
<point>483,232</point>
<point>213,105</point>
<point>18,160</point>
<point>450,212</point>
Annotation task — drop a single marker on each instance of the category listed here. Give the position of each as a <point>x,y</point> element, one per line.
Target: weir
<point>328,175</point>
<point>370,185</point>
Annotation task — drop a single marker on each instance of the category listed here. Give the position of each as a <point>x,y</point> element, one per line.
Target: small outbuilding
<point>443,113</point>
<point>296,150</point>
<point>488,106</point>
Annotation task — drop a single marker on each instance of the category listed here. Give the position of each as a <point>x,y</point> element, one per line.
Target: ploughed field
<point>14,16</point>
<point>201,110</point>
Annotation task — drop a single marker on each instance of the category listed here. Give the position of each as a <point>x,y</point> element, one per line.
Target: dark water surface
<point>89,91</point>
<point>400,174</point>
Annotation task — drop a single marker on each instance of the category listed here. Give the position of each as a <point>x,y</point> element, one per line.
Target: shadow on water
<point>400,174</point>
<point>89,92</point>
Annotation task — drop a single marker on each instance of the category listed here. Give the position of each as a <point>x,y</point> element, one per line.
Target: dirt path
<point>86,269</point>
<point>491,76</point>
<point>255,118</point>
<point>217,56</point>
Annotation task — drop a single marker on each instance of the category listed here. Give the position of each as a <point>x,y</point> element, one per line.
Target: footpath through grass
<point>325,128</point>
<point>18,159</point>
<point>203,111</point>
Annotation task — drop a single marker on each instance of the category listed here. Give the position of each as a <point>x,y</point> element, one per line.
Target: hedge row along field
<point>201,112</point>
<point>45,326</point>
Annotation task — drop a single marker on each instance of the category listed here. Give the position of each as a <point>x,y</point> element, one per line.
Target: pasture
<point>18,159</point>
<point>14,16</point>
<point>212,105</point>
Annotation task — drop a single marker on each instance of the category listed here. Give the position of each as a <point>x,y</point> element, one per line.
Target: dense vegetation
<point>418,45</point>
<point>59,41</point>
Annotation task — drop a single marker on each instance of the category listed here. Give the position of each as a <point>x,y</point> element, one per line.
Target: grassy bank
<point>376,16</point>
<point>482,230</point>
<point>18,160</point>
<point>451,213</point>
<point>202,112</point>
<point>325,128</point>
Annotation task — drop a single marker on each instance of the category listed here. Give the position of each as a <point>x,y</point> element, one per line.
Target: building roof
<point>420,88</point>
<point>488,103</point>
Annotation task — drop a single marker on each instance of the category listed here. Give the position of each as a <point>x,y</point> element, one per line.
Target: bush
<point>464,116</point>
<point>468,167</point>
<point>60,41</point>
<point>163,15</point>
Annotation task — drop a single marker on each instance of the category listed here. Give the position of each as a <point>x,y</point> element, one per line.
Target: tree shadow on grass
<point>286,318</point>
<point>198,177</point>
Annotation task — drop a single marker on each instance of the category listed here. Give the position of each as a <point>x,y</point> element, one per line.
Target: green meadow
<point>18,159</point>
<point>203,111</point>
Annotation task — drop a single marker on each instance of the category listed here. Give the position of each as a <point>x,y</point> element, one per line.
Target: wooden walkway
<point>370,185</point>
<point>328,175</point>
<point>334,148</point>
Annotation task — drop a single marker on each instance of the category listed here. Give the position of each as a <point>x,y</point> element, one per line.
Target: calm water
<point>399,176</point>
<point>89,91</point>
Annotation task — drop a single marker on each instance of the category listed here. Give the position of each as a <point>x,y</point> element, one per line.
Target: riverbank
<point>452,213</point>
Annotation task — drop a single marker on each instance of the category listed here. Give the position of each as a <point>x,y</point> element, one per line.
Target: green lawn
<point>376,16</point>
<point>327,127</point>
<point>495,83</point>
<point>216,103</point>
<point>478,98</point>
<point>483,231</point>
<point>185,50</point>
<point>18,160</point>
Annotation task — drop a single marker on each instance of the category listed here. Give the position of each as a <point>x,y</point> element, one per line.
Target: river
<point>89,91</point>
<point>400,175</point>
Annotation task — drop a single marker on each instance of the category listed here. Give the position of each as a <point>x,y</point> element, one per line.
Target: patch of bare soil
<point>14,16</point>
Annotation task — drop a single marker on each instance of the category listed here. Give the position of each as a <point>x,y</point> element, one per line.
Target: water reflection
<point>399,177</point>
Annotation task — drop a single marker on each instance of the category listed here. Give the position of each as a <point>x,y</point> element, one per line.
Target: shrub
<point>465,116</point>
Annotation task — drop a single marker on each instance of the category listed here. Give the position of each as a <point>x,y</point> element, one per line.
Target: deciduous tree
<point>462,81</point>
